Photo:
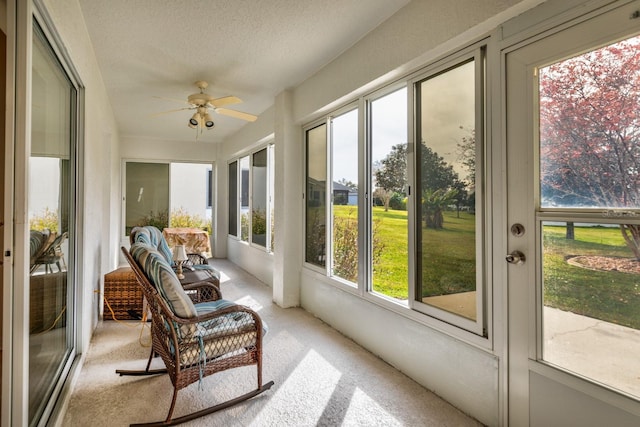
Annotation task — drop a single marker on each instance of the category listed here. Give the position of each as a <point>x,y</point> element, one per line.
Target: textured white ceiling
<point>252,49</point>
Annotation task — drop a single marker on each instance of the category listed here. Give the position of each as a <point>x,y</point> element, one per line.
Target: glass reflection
<point>316,209</point>
<point>446,170</point>
<point>147,190</point>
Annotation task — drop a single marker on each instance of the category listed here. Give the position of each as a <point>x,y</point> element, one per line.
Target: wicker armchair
<point>50,253</point>
<point>194,340</point>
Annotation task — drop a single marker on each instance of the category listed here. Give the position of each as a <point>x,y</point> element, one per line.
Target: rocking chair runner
<point>194,340</point>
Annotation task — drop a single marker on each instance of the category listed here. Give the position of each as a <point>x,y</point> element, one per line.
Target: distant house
<point>343,195</point>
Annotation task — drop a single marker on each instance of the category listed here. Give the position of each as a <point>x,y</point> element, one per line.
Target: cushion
<point>152,236</point>
<point>36,240</point>
<point>219,336</point>
<point>164,279</point>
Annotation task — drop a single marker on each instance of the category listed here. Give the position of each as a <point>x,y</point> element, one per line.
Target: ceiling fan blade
<point>182,101</point>
<point>237,114</point>
<point>171,111</point>
<point>219,102</point>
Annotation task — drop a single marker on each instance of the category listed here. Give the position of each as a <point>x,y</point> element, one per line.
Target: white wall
<point>97,247</point>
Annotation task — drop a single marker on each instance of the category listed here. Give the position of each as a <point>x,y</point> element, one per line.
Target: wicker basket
<point>123,293</point>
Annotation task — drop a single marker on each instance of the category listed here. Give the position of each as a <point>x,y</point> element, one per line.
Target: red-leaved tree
<point>590,132</point>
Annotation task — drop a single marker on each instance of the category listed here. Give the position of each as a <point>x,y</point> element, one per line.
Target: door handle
<point>515,257</point>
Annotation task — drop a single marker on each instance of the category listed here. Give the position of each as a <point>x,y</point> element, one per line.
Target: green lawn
<point>391,274</point>
<point>611,296</point>
<point>448,265</point>
<point>449,256</point>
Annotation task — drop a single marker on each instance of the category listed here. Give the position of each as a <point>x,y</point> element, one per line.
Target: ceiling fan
<point>202,102</point>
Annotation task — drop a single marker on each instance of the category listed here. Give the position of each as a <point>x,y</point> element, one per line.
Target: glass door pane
<point>233,199</point>
<point>344,154</point>
<point>244,199</point>
<point>259,205</point>
<point>589,213</point>
<point>316,196</point>
<point>448,238</point>
<point>190,205</point>
<point>389,220</point>
<point>147,195</point>
<point>51,195</point>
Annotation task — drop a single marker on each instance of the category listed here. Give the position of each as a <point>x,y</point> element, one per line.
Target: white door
<point>573,179</point>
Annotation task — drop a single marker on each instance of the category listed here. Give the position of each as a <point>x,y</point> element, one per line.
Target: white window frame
<point>270,188</point>
<point>477,332</point>
<point>478,55</point>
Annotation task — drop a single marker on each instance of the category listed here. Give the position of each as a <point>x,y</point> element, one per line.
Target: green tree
<point>440,187</point>
<point>433,205</point>
<point>590,132</point>
<point>435,174</point>
<point>391,177</point>
<point>467,156</point>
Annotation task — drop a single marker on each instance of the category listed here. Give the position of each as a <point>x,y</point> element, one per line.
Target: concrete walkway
<point>602,351</point>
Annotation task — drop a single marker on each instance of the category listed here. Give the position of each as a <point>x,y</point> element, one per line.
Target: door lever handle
<point>515,257</point>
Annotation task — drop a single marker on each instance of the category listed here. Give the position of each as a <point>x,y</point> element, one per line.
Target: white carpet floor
<point>321,377</point>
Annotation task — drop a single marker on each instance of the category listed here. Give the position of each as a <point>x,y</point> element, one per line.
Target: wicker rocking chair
<point>194,340</point>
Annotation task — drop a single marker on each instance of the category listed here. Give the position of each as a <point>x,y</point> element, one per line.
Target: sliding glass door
<point>51,200</point>
<point>176,195</point>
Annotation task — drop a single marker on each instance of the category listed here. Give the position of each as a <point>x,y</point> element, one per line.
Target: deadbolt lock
<point>517,230</point>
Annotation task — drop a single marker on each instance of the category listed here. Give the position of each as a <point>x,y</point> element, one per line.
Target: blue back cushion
<point>164,279</point>
<point>153,236</point>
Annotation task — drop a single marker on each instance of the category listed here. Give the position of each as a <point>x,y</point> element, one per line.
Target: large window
<point>251,184</point>
<point>431,187</point>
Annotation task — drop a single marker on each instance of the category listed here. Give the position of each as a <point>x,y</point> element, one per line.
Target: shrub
<point>345,246</point>
<point>47,220</point>
<point>398,202</point>
<point>159,220</point>
<point>181,218</point>
<point>258,221</point>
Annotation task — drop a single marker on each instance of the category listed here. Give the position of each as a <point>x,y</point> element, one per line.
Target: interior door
<point>573,188</point>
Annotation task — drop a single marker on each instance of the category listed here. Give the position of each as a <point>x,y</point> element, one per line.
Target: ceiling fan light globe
<point>193,123</point>
<point>208,121</point>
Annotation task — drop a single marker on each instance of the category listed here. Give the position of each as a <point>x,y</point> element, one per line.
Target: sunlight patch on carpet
<point>250,302</point>
<point>302,399</point>
<point>362,404</point>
